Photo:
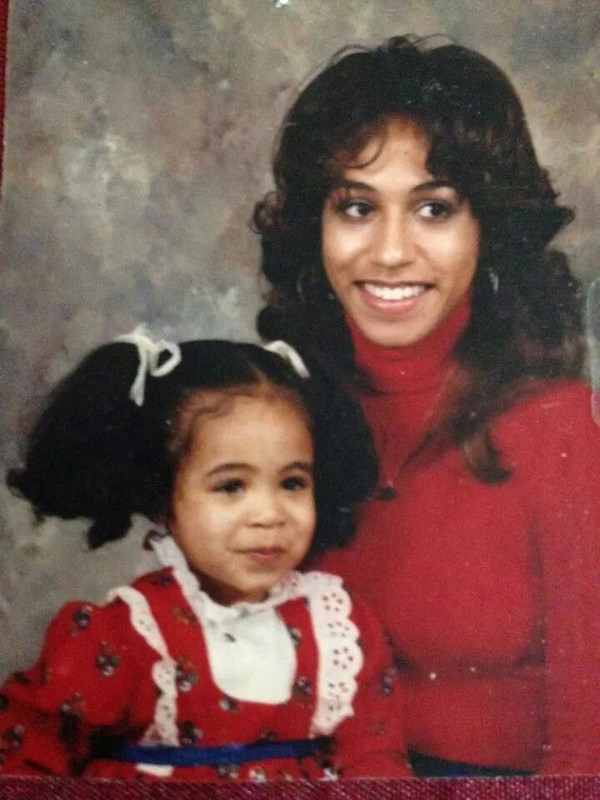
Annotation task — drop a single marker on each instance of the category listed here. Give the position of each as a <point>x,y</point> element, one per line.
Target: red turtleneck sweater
<point>491,593</point>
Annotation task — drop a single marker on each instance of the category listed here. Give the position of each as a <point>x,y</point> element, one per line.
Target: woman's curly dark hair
<point>94,453</point>
<point>530,329</point>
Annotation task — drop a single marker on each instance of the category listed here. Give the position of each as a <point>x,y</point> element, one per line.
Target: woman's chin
<point>394,323</point>
<point>393,333</point>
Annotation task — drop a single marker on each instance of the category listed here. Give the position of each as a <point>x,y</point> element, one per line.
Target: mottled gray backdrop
<point>138,136</point>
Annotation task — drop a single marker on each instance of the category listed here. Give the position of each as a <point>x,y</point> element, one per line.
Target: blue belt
<point>191,756</point>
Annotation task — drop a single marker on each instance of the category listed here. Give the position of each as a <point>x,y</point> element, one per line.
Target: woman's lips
<point>394,292</point>
<point>387,297</point>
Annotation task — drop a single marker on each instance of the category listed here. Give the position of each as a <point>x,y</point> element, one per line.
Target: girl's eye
<point>295,483</point>
<point>435,209</point>
<point>230,487</point>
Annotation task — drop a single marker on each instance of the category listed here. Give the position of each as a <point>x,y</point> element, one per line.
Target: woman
<point>406,244</point>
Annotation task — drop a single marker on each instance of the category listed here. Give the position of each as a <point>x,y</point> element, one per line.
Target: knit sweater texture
<point>491,593</point>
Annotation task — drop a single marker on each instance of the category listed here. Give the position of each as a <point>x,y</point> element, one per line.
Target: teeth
<point>393,293</point>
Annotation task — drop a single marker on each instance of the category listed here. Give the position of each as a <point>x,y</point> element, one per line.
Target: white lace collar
<point>204,607</point>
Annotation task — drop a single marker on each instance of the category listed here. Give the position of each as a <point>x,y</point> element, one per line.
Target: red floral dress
<point>138,669</point>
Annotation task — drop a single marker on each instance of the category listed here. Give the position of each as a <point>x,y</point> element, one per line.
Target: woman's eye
<point>435,209</point>
<point>357,209</point>
<point>294,484</point>
<point>230,487</point>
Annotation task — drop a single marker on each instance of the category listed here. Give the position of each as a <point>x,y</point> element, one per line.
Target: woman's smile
<point>394,299</point>
<point>392,292</point>
<point>400,247</point>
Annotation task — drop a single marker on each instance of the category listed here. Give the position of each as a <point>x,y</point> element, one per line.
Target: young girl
<point>226,663</point>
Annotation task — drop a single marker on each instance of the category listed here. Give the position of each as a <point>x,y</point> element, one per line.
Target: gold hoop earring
<point>312,285</point>
<point>494,280</point>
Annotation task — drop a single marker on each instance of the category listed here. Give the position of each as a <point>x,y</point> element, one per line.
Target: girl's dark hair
<point>94,453</point>
<point>530,329</point>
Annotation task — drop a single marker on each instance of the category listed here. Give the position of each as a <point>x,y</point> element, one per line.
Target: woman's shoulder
<point>558,392</point>
<point>550,435</point>
<point>558,407</point>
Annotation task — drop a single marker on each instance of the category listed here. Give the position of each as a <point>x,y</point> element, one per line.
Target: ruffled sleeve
<point>82,681</point>
<point>371,743</point>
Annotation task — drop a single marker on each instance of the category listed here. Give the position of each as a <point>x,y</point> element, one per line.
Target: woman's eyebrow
<point>352,185</point>
<point>360,186</point>
<point>435,183</point>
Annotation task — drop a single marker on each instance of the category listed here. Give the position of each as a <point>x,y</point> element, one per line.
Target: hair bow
<point>149,351</point>
<point>287,352</point>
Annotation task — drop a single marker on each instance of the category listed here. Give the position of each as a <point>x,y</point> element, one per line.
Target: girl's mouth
<point>265,555</point>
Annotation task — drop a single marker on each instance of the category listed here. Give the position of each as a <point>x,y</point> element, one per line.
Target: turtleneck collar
<point>416,367</point>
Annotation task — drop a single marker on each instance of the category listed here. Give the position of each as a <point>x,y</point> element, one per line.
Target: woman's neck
<point>422,365</point>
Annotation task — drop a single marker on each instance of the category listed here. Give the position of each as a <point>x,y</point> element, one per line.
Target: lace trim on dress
<point>340,656</point>
<point>164,728</point>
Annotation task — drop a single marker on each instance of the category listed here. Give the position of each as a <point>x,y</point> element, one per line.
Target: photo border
<point>575,787</point>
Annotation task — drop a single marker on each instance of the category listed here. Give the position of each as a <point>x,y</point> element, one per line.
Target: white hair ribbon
<point>149,351</point>
<point>287,352</point>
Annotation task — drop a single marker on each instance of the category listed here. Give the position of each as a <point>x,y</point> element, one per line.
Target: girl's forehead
<point>217,404</point>
<point>251,428</point>
<point>228,400</point>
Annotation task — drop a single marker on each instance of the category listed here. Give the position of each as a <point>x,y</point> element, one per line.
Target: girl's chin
<point>228,595</point>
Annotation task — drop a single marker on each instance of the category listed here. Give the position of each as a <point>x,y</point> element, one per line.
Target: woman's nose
<point>393,244</point>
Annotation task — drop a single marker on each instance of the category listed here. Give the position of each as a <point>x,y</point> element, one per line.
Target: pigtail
<point>86,456</point>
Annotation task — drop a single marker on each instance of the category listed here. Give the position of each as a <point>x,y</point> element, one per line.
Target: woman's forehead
<point>392,134</point>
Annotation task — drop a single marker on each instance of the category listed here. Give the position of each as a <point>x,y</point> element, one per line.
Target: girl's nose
<point>393,245</point>
<point>266,510</point>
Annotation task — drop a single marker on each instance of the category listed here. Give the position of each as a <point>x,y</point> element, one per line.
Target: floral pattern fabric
<point>98,677</point>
